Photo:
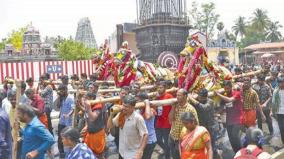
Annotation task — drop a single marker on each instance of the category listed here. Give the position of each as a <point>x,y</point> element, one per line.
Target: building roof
<point>265,46</point>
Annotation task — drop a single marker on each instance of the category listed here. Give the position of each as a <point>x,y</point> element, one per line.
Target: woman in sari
<point>195,140</point>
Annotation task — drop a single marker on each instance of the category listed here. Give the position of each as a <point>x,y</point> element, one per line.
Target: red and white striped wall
<point>24,70</point>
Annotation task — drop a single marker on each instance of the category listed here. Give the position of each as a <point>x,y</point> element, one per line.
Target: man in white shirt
<point>133,134</point>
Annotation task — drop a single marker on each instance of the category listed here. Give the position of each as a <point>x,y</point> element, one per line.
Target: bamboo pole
<point>253,73</point>
<point>117,98</point>
<point>113,90</point>
<point>16,128</point>
<point>79,82</point>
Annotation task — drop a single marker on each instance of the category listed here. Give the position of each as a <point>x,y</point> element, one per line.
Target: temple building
<point>85,33</point>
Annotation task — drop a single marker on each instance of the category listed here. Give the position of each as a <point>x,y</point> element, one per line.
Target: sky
<point>60,17</point>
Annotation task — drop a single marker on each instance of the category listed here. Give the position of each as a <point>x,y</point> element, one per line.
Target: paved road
<point>273,143</point>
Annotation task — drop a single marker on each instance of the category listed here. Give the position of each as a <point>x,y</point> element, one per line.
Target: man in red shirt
<point>233,104</point>
<point>163,126</point>
<point>37,105</point>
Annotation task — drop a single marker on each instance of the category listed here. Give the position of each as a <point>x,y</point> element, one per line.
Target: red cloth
<point>38,103</point>
<point>234,113</point>
<point>163,120</point>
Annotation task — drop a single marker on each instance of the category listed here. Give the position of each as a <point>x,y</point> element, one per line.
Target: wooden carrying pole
<point>117,98</point>
<point>78,82</point>
<point>16,128</point>
<point>113,90</point>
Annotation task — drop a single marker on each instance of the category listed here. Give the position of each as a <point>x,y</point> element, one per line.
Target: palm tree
<point>240,27</point>
<point>260,21</point>
<point>273,34</point>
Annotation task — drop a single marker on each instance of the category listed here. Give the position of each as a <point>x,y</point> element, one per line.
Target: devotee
<point>163,126</point>
<point>71,140</point>
<point>253,145</point>
<point>30,82</point>
<point>205,112</point>
<point>95,128</point>
<point>180,107</point>
<point>233,104</point>
<point>36,138</point>
<point>38,106</point>
<point>264,94</point>
<point>148,114</point>
<point>47,96</point>
<point>24,99</point>
<point>251,104</point>
<point>66,106</point>
<point>195,140</point>
<point>133,134</point>
<point>5,131</point>
<point>278,106</point>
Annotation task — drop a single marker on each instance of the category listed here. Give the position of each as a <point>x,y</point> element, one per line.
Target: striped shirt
<point>251,100</point>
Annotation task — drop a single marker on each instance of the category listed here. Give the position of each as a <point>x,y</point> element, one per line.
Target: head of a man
<point>65,80</point>
<point>135,88</point>
<point>62,90</point>
<point>162,86</point>
<point>203,96</point>
<point>25,113</point>
<point>247,83</point>
<point>93,87</point>
<point>182,95</point>
<point>84,76</point>
<point>30,82</point>
<point>188,120</point>
<point>30,94</point>
<point>228,86</point>
<point>23,86</point>
<point>124,91</point>
<point>261,79</point>
<point>128,104</point>
<point>12,97</point>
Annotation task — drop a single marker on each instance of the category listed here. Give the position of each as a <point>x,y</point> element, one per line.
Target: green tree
<point>240,27</point>
<point>205,19</point>
<point>273,34</point>
<point>260,21</point>
<point>16,38</point>
<point>73,50</point>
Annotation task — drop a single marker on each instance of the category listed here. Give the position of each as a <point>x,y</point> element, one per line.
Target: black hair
<point>26,109</point>
<point>23,85</point>
<point>126,88</point>
<point>142,95</point>
<point>188,117</point>
<point>227,83</point>
<point>203,92</point>
<point>84,75</point>
<point>71,134</point>
<point>11,93</point>
<point>29,91</point>
<point>129,100</point>
<point>75,77</point>
<point>62,87</point>
<point>183,91</point>
<point>254,136</point>
<point>29,80</point>
<point>91,95</point>
<point>94,77</point>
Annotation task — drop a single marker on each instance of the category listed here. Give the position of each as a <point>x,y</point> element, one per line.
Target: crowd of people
<point>184,129</point>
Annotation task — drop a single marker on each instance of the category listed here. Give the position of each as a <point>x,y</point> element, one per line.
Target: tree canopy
<point>69,49</point>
